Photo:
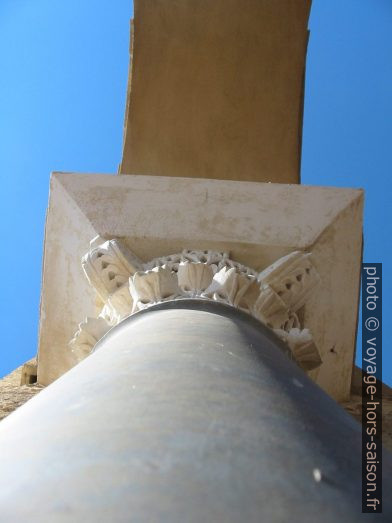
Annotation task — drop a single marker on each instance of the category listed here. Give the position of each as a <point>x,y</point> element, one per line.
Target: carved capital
<point>126,285</point>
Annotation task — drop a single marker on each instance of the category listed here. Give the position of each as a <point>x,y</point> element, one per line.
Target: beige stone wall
<point>13,394</point>
<point>216,89</point>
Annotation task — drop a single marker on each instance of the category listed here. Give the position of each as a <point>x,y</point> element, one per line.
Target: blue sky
<point>62,98</point>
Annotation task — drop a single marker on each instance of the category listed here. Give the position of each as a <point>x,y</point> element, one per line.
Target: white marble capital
<point>127,285</point>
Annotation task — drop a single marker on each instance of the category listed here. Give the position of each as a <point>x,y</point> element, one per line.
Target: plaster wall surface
<point>216,89</point>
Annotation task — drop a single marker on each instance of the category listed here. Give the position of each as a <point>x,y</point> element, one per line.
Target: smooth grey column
<point>190,411</point>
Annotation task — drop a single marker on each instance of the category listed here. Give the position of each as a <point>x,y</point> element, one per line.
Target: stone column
<point>208,298</point>
<point>191,411</point>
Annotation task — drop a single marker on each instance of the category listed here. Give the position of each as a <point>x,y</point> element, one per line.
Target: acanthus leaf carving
<point>153,286</point>
<point>90,331</point>
<point>120,303</point>
<point>231,287</point>
<point>195,277</point>
<point>273,296</point>
<point>302,346</point>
